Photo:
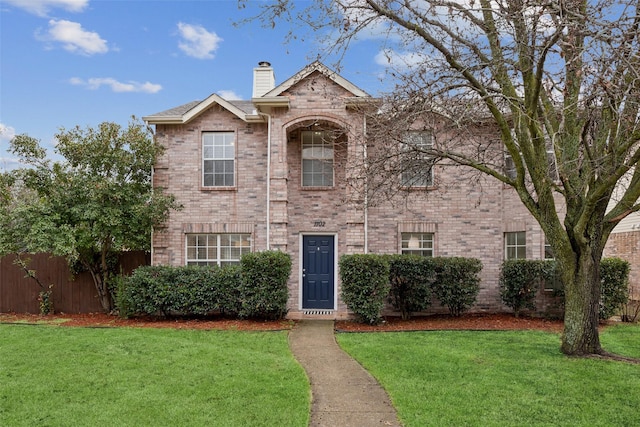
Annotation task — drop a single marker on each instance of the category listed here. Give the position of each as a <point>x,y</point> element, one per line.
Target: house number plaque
<point>318,223</point>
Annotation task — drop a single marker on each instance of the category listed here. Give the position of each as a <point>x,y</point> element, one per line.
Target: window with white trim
<point>317,159</point>
<point>217,249</point>
<point>417,244</point>
<point>548,252</point>
<point>515,245</point>
<point>552,164</point>
<point>218,159</point>
<point>417,165</point>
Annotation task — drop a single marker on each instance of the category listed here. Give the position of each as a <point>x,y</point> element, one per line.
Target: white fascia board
<point>271,101</point>
<point>160,120</point>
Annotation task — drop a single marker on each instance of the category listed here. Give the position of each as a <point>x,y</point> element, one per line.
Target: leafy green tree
<point>553,79</point>
<point>96,202</point>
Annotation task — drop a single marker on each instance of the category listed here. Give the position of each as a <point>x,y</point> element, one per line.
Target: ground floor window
<point>217,249</point>
<point>515,245</point>
<point>417,244</point>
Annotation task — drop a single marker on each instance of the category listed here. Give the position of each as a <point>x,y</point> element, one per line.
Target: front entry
<point>318,271</point>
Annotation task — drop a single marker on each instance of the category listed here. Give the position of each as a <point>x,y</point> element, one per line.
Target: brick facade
<point>468,218</point>
<point>626,245</point>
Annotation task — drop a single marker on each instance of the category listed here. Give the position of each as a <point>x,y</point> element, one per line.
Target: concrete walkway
<point>343,393</point>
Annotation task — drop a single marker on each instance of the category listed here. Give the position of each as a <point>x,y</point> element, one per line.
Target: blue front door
<point>318,271</point>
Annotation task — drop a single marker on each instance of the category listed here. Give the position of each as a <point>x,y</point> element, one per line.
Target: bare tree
<point>554,77</point>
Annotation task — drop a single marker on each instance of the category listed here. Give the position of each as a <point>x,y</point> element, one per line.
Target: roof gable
<point>248,110</point>
<point>187,112</point>
<point>323,69</point>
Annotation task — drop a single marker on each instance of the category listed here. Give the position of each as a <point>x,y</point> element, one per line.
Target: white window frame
<point>414,161</point>
<point>422,244</point>
<point>552,163</point>
<point>520,245</point>
<point>218,148</point>
<point>216,248</point>
<point>319,152</point>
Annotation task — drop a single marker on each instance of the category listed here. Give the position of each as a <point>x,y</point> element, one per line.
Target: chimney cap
<point>264,64</point>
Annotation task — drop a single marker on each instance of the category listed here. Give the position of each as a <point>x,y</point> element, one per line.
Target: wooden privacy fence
<point>71,294</point>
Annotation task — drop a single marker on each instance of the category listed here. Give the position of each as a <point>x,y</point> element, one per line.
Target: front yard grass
<point>501,378</point>
<point>56,376</point>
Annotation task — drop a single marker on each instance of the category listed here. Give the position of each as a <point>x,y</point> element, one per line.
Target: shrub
<point>410,277</point>
<point>519,280</point>
<point>365,285</point>
<point>264,290</point>
<point>227,281</point>
<point>614,276</point>
<point>457,283</point>
<point>165,290</point>
<point>255,288</point>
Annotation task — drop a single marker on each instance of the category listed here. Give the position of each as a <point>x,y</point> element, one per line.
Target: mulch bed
<point>502,321</point>
<point>476,322</point>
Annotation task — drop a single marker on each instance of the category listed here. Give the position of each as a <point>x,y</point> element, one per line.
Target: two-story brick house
<point>273,173</point>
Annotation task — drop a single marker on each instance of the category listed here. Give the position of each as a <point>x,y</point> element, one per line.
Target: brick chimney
<point>263,79</point>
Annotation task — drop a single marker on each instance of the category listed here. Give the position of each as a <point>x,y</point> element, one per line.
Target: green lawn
<point>56,376</point>
<point>464,378</point>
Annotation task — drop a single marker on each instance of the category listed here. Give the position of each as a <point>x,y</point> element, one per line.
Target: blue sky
<point>81,62</point>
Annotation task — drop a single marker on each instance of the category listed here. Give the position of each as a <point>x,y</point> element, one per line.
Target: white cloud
<point>42,7</point>
<point>197,42</point>
<point>6,132</point>
<point>74,38</point>
<point>229,95</point>
<point>115,85</point>
<point>400,60</point>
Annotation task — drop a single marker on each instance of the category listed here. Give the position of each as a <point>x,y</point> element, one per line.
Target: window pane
<point>417,243</point>
<point>218,159</point>
<point>212,249</point>
<point>515,245</point>
<point>317,159</point>
<point>417,165</point>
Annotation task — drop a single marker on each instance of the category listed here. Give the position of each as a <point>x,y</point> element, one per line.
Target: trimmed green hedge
<point>255,288</point>
<point>408,283</point>
<point>519,280</point>
<point>411,278</point>
<point>457,283</point>
<point>614,293</point>
<point>263,290</point>
<point>365,285</point>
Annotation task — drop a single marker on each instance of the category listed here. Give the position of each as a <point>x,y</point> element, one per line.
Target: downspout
<point>268,116</point>
<point>366,184</point>
<point>152,169</point>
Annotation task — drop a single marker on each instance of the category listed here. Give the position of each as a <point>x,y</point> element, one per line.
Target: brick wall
<point>627,246</point>
<point>468,216</point>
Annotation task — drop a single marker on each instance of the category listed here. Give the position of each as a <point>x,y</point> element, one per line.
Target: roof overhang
<point>271,101</point>
<point>199,108</point>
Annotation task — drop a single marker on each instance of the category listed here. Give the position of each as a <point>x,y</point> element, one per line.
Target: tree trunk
<point>582,299</point>
<point>103,292</point>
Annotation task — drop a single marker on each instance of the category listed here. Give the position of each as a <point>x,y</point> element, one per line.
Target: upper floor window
<point>218,159</point>
<point>217,249</point>
<point>548,252</point>
<point>417,244</point>
<point>317,159</point>
<point>515,245</point>
<point>417,166</point>
<point>552,167</point>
